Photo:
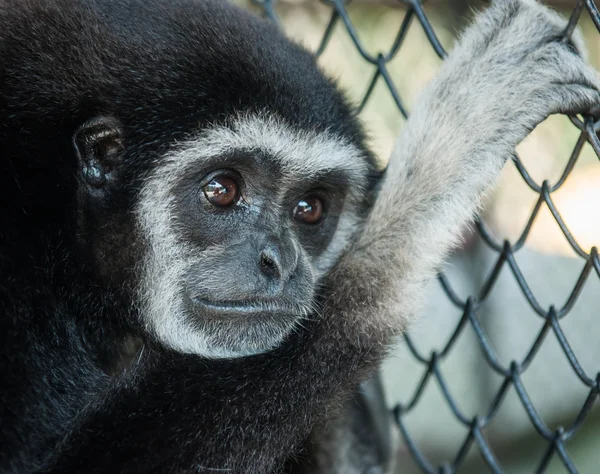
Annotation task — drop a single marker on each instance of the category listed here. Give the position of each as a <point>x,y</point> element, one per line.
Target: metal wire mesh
<point>505,251</point>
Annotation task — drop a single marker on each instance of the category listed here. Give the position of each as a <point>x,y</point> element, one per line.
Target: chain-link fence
<point>510,373</point>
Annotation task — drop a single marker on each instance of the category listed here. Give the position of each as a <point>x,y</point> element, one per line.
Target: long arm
<point>506,75</point>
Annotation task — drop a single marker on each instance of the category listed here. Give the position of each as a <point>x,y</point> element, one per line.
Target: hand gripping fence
<point>550,318</point>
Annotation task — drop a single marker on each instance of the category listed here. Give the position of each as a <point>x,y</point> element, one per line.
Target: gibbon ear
<point>99,145</point>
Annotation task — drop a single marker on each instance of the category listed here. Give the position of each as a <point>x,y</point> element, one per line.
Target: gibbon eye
<point>309,210</point>
<point>222,191</point>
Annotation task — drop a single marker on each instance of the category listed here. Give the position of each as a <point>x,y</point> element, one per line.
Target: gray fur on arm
<point>508,72</point>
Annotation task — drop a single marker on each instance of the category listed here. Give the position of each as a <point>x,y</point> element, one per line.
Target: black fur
<point>76,394</point>
<point>163,68</point>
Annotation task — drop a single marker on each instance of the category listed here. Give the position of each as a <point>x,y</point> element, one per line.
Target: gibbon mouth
<point>248,308</point>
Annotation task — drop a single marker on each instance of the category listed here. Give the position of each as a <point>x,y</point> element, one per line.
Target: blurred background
<point>439,405</point>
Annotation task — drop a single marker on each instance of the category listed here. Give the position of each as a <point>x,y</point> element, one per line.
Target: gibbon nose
<point>271,262</point>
